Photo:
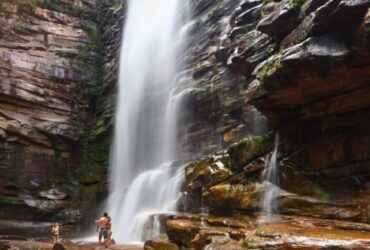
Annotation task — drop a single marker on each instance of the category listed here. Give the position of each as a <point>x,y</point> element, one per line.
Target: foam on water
<point>143,181</point>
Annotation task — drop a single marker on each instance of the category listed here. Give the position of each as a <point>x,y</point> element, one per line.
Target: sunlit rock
<point>160,243</point>
<point>281,21</point>
<point>232,196</point>
<point>66,245</point>
<point>208,171</point>
<point>53,194</point>
<point>47,206</point>
<point>182,231</point>
<point>248,149</point>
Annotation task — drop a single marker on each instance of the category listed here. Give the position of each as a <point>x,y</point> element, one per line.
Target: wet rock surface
<point>47,63</point>
<point>219,116</point>
<point>313,80</point>
<point>302,64</point>
<point>31,244</point>
<point>291,232</point>
<point>305,66</point>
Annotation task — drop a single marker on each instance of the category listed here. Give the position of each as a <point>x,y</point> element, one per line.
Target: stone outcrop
<point>305,66</point>
<point>299,66</point>
<point>219,115</point>
<point>58,69</point>
<point>237,232</point>
<point>47,64</point>
<point>314,89</point>
<point>310,78</point>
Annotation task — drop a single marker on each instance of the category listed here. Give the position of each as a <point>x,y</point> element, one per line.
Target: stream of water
<point>143,180</point>
<point>271,176</point>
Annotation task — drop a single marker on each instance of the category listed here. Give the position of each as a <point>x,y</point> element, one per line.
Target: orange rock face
<point>43,94</point>
<point>291,232</point>
<point>315,90</point>
<point>306,68</point>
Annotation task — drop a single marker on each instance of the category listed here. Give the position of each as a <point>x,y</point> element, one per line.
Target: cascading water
<point>144,182</point>
<point>271,176</point>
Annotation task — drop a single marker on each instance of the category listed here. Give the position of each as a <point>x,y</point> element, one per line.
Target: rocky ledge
<point>47,59</point>
<point>312,83</point>
<point>30,244</point>
<point>291,232</point>
<point>305,66</point>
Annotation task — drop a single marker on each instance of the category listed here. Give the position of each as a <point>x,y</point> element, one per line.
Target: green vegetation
<point>297,3</point>
<point>301,4</point>
<point>2,8</point>
<point>11,200</point>
<point>89,60</point>
<point>32,3</point>
<point>271,65</point>
<point>292,3</point>
<point>100,127</point>
<point>321,194</point>
<point>270,1</point>
<point>305,6</point>
<point>82,12</point>
<point>54,5</point>
<point>262,142</point>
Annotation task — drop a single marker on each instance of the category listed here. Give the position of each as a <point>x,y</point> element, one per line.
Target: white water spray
<point>271,176</point>
<point>143,180</point>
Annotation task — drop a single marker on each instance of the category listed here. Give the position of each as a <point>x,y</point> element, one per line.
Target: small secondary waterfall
<point>143,180</point>
<point>271,175</point>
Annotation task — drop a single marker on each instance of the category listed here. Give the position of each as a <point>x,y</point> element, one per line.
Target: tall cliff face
<point>305,66</point>
<point>302,64</point>
<point>285,60</point>
<point>219,114</point>
<point>46,63</point>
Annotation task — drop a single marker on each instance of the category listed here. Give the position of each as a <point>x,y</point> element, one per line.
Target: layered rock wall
<point>219,115</point>
<point>45,49</point>
<point>304,65</point>
<point>292,62</point>
<point>306,68</point>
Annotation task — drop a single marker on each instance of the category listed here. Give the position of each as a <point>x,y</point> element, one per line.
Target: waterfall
<point>143,181</point>
<point>271,176</point>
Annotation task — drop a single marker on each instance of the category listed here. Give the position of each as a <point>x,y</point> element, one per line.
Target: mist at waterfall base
<point>271,178</point>
<point>144,181</point>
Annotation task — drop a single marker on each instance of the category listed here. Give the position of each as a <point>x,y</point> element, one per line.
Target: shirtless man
<point>103,226</point>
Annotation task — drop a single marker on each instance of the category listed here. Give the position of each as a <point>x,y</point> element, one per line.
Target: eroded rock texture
<point>305,66</point>
<point>46,48</point>
<point>218,113</point>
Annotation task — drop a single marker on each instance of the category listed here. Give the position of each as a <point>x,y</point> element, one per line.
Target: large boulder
<point>248,150</point>
<point>65,245</point>
<point>233,196</point>
<point>281,21</point>
<point>160,243</point>
<point>208,171</point>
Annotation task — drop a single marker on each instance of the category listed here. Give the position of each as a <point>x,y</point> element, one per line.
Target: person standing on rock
<point>55,232</point>
<point>103,225</point>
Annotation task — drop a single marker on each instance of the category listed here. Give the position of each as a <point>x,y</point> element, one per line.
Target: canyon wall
<point>305,66</point>
<point>48,75</point>
<point>299,68</point>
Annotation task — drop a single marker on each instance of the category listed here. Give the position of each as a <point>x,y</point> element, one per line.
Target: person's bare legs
<point>106,239</point>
